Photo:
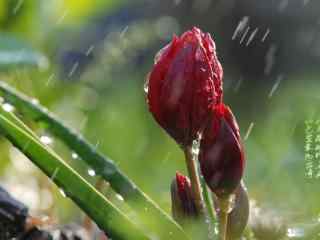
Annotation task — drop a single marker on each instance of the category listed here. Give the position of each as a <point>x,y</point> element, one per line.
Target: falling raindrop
<point>50,79</point>
<point>60,20</point>
<point>275,86</point>
<point>270,59</point>
<point>73,69</point>
<point>242,24</point>
<point>123,32</point>
<point>91,172</point>
<point>252,35</point>
<point>249,131</point>
<point>244,35</point>
<point>237,86</point>
<point>7,107</point>
<point>46,140</point>
<point>90,49</point>
<point>17,7</point>
<point>265,35</point>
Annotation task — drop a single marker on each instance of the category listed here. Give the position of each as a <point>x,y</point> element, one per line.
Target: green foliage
<point>162,224</point>
<point>102,211</point>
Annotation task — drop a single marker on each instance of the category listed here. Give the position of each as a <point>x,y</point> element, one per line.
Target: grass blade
<point>102,211</point>
<point>158,221</point>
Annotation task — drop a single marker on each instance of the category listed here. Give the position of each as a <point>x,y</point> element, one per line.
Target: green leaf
<point>103,212</point>
<point>15,53</point>
<point>152,216</point>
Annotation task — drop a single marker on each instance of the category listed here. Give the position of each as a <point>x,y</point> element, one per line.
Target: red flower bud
<point>221,153</point>
<point>184,84</point>
<point>183,205</point>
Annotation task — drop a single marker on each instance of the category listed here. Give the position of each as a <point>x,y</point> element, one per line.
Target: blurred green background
<point>87,62</point>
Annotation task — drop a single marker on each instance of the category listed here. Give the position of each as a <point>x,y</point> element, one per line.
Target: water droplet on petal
<point>146,84</point>
<point>195,147</point>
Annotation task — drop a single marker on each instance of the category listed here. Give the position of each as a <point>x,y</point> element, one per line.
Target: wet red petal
<point>182,85</point>
<point>221,153</point>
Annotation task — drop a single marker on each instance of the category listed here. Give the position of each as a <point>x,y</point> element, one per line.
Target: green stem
<point>224,209</point>
<point>208,201</point>
<point>194,179</point>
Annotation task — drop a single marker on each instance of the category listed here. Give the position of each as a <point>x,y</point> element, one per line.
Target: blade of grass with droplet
<point>103,212</point>
<point>155,218</point>
<point>15,120</point>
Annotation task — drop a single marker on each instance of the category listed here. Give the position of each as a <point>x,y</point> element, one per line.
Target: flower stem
<point>224,209</point>
<point>211,216</point>
<point>194,178</point>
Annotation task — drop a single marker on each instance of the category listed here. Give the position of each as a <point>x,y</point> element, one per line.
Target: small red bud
<point>183,204</point>
<point>221,153</point>
<point>184,84</point>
